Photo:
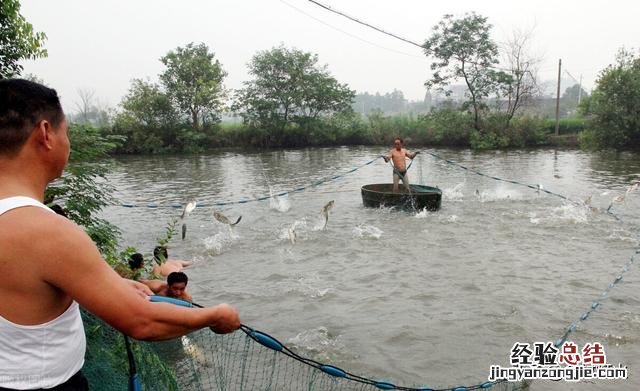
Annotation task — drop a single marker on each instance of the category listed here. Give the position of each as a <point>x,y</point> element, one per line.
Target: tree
<point>18,41</point>
<point>148,119</point>
<point>193,82</point>
<point>522,87</point>
<point>614,105</point>
<point>572,93</point>
<point>464,50</point>
<point>288,86</point>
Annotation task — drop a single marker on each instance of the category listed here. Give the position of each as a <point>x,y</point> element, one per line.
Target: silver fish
<point>224,219</point>
<point>325,212</point>
<point>292,234</point>
<point>191,205</point>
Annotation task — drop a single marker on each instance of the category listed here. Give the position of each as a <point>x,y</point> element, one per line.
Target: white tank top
<point>43,355</point>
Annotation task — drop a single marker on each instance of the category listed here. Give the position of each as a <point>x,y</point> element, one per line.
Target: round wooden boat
<point>420,197</point>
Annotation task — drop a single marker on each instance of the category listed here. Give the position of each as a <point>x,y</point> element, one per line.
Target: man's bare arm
<point>75,266</point>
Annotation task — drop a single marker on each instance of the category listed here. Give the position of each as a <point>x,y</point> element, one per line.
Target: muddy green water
<point>415,297</point>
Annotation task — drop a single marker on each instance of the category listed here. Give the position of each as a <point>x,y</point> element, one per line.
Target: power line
<point>366,24</point>
<point>326,7</point>
<point>349,34</point>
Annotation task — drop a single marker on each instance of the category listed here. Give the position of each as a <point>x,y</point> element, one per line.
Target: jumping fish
<point>224,219</point>
<point>184,230</point>
<point>325,212</point>
<point>191,205</point>
<point>292,234</point>
<point>587,203</point>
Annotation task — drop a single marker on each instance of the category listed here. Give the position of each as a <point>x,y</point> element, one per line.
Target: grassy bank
<point>441,128</point>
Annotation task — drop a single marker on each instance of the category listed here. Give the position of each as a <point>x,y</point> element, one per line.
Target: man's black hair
<point>22,105</point>
<point>177,277</point>
<point>58,209</point>
<point>398,138</point>
<point>160,254</point>
<point>136,261</point>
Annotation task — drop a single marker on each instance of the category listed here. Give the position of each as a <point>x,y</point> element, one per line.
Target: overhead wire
<point>349,34</point>
<point>396,36</point>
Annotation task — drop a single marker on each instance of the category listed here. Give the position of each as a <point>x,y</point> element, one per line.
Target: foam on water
<point>319,343</point>
<point>500,193</point>
<point>562,214</point>
<point>454,193</point>
<point>221,241</point>
<point>365,231</point>
<point>280,204</point>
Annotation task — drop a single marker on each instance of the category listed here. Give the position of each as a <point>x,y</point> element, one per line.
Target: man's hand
<point>226,319</point>
<point>386,159</point>
<point>141,289</point>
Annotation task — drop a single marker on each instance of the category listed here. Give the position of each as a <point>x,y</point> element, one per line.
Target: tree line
<point>292,100</point>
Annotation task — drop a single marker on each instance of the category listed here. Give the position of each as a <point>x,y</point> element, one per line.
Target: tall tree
<point>18,41</point>
<point>289,86</point>
<point>464,50</point>
<point>522,87</point>
<point>614,105</point>
<point>193,82</point>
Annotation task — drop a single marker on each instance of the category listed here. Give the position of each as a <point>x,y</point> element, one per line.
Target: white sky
<point>103,44</point>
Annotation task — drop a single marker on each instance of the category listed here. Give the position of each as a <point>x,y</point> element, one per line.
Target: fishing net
<point>204,360</point>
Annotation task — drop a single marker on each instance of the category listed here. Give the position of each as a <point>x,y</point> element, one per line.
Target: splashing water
<point>565,213</point>
<point>319,343</point>
<point>221,241</point>
<point>454,193</point>
<point>500,193</point>
<point>367,232</point>
<point>281,204</point>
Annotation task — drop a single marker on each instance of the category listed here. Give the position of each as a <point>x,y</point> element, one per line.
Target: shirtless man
<point>175,286</point>
<point>165,266</point>
<point>51,267</point>
<point>398,156</point>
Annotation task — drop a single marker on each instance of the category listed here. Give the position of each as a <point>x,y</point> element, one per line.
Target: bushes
<point>447,127</point>
<point>571,125</point>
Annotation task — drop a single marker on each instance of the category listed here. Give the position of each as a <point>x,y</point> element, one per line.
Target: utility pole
<point>580,91</point>
<point>558,99</point>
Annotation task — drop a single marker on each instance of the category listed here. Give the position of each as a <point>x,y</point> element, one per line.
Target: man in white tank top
<point>50,265</point>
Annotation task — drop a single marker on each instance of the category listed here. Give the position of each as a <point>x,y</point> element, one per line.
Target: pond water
<point>416,297</point>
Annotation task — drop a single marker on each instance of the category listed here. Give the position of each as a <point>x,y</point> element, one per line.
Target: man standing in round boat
<point>398,155</point>
<point>51,267</point>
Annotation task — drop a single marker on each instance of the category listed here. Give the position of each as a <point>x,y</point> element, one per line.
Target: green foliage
<point>464,50</point>
<point>18,40</point>
<point>169,233</point>
<point>289,91</point>
<point>614,106</point>
<point>193,82</point>
<point>569,125</point>
<point>83,188</point>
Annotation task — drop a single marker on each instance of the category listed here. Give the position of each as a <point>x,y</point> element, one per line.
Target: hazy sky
<point>103,44</point>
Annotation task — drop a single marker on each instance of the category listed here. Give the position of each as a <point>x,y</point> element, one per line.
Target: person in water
<point>165,266</point>
<point>50,265</point>
<point>134,270</point>
<point>398,155</point>
<point>175,286</point>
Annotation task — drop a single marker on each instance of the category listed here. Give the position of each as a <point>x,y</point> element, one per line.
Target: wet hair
<point>177,277</point>
<point>136,261</point>
<point>399,139</point>
<point>160,254</point>
<point>22,105</point>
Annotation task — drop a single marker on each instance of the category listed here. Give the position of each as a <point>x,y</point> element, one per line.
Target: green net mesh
<point>205,361</point>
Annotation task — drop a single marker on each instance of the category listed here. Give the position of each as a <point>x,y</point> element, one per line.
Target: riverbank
<point>442,128</point>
